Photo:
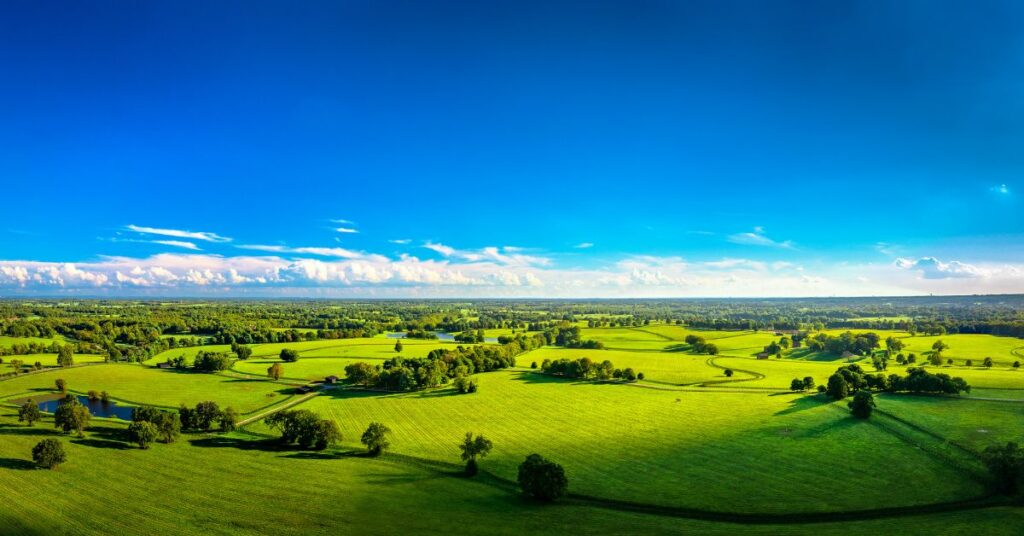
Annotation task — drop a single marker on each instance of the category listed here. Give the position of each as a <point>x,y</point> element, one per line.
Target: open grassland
<point>206,485</point>
<point>974,424</point>
<point>47,360</point>
<point>670,338</point>
<point>1003,350</point>
<point>718,451</point>
<point>305,369</point>
<point>138,384</point>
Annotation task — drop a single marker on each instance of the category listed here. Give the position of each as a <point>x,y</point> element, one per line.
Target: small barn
<point>164,365</point>
<point>331,380</point>
<point>762,355</point>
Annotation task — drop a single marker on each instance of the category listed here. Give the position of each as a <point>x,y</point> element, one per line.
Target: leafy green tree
<point>242,352</point>
<point>289,355</point>
<point>796,385</point>
<point>729,373</point>
<point>375,438</point>
<point>808,383</point>
<point>168,425</point>
<point>205,414</point>
<point>837,387</point>
<point>987,362</point>
<point>65,357</point>
<point>61,385</point>
<point>275,371</point>
<point>473,448</point>
<point>327,434</point>
<point>862,405</point>
<point>49,453</point>
<point>894,345</point>
<point>398,346</point>
<point>143,433</point>
<point>542,479</point>
<point>29,412</point>
<point>939,346</point>
<point>71,415</point>
<point>1006,465</point>
<point>935,359</point>
<point>228,419</point>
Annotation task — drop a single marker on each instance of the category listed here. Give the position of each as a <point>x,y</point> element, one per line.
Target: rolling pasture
<point>687,441</point>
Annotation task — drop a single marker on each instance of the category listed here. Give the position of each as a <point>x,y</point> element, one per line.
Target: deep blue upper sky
<point>666,129</point>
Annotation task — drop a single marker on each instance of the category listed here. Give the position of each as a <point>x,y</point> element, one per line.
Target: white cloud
<point>932,268</point>
<point>178,243</point>
<point>1001,189</point>
<point>584,245</point>
<point>321,251</point>
<point>346,230</point>
<point>758,238</point>
<point>401,241</point>
<point>343,222</point>
<point>193,235</point>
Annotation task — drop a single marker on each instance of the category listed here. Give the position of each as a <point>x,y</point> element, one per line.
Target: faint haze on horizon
<point>511,149</point>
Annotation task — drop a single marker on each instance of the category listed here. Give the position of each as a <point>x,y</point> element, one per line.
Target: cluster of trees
<point>471,337</point>
<point>149,424</point>
<point>440,366</point>
<point>585,369</point>
<point>855,343</point>
<point>701,346</point>
<point>569,336</point>
<point>304,428</point>
<point>211,361</point>
<point>852,378</point>
<point>203,417</point>
<point>801,385</point>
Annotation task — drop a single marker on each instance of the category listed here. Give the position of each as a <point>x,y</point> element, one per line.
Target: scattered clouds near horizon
<point>321,251</point>
<point>584,245</point>
<point>507,255</point>
<point>758,238</point>
<point>176,233</point>
<point>490,272</point>
<point>401,241</point>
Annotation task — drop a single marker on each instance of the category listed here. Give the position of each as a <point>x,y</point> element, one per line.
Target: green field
<point>686,439</point>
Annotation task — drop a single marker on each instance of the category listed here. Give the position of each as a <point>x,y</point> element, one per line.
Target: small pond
<point>96,407</point>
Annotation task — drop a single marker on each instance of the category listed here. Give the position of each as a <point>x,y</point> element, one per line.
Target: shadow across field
<point>24,430</point>
<point>16,464</point>
<point>802,403</point>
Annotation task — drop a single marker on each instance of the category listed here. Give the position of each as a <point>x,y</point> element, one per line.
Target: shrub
<point>728,373</point>
<point>289,355</point>
<point>143,433</point>
<point>375,438</point>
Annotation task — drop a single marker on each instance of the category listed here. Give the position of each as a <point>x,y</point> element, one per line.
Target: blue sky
<point>511,149</point>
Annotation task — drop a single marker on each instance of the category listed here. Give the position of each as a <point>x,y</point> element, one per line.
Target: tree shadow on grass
<point>326,455</point>
<point>802,403</point>
<point>266,445</point>
<point>537,377</point>
<point>101,443</point>
<point>677,348</point>
<point>14,429</point>
<point>16,463</point>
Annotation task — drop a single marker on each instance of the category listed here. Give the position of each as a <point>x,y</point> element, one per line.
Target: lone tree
<point>289,355</point>
<point>71,415</point>
<point>796,385</point>
<point>242,352</point>
<point>398,346</point>
<point>275,371</point>
<point>29,412</point>
<point>49,453</point>
<point>143,433</point>
<point>375,438</point>
<point>61,385</point>
<point>472,448</point>
<point>65,357</point>
<point>542,479</point>
<point>1006,465</point>
<point>862,404</point>
<point>729,373</point>
<point>808,382</point>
